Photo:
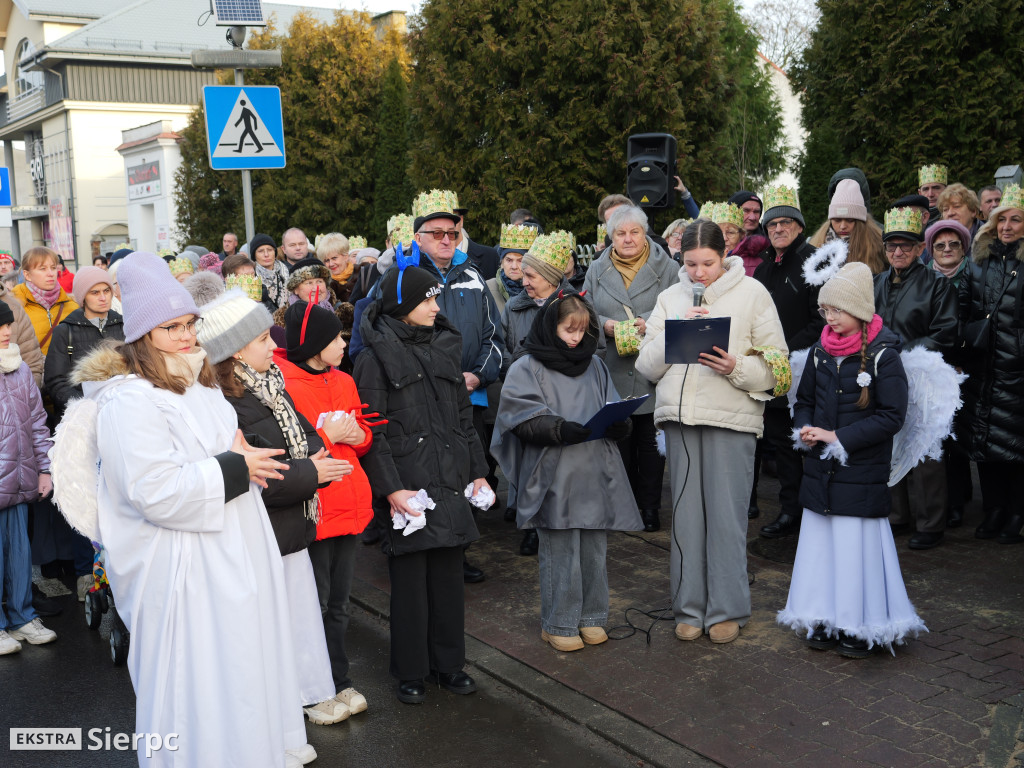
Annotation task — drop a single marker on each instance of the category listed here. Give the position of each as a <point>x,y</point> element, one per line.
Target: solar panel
<point>230,13</point>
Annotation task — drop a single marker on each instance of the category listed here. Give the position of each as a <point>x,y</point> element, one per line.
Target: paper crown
<point>251,285</point>
<point>1013,197</point>
<point>932,174</point>
<point>723,213</point>
<point>517,237</point>
<point>602,233</point>
<point>356,243</point>
<point>181,267</point>
<point>434,201</point>
<point>775,197</point>
<point>554,249</point>
<point>400,229</point>
<point>907,220</point>
<point>707,211</point>
<point>162,252</point>
<point>566,238</point>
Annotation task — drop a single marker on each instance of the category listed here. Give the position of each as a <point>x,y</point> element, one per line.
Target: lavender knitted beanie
<point>150,295</point>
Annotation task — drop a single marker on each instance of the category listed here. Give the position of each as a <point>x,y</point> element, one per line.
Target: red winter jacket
<point>346,504</point>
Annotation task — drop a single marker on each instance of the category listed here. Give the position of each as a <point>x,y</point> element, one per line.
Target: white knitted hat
<point>851,290</point>
<point>231,321</point>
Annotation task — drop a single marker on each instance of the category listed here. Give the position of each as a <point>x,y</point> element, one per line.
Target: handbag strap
<point>53,324</point>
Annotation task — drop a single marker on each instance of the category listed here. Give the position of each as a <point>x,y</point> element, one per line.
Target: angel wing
<point>796,363</point>
<point>74,467</point>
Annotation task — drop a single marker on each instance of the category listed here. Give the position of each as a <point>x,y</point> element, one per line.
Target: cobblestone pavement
<point>954,697</point>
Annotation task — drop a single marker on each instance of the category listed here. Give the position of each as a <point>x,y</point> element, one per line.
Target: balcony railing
<point>26,103</point>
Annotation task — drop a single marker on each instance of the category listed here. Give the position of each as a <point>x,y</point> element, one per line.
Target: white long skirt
<point>312,663</point>
<point>847,577</point>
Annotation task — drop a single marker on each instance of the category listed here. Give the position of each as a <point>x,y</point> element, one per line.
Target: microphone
<point>698,293</point>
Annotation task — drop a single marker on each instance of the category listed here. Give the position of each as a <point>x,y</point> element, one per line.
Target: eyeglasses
<point>676,236</point>
<point>905,247</point>
<point>954,245</point>
<point>439,234</point>
<point>827,312</point>
<point>778,223</point>
<point>177,331</point>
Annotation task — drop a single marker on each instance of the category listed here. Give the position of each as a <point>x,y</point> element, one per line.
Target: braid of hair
<point>865,394</point>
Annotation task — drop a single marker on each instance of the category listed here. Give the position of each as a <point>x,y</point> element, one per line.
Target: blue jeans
<point>573,580</point>
<point>16,567</point>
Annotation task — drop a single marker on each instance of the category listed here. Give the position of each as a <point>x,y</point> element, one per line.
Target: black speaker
<point>650,166</point>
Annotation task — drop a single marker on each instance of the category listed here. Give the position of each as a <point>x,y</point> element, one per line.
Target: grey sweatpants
<point>711,471</point>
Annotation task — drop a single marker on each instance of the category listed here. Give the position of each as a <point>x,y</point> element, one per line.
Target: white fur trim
<point>825,263</point>
<point>885,635</point>
<point>798,444</point>
<point>835,451</point>
<point>659,439</point>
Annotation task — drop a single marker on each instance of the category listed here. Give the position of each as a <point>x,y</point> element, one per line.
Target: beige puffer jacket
<point>696,395</point>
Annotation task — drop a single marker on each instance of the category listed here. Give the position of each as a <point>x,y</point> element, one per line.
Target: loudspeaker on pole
<point>650,167</point>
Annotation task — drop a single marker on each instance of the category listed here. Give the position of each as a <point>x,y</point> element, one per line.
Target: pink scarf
<point>46,298</point>
<point>843,346</point>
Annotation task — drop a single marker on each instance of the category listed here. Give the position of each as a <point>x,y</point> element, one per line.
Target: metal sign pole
<point>250,226</point>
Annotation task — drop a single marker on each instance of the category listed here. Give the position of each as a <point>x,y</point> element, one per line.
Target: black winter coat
<point>990,425</point>
<point>484,258</point>
<point>72,340</point>
<point>413,377</point>
<point>920,307</point>
<point>827,398</point>
<point>282,498</point>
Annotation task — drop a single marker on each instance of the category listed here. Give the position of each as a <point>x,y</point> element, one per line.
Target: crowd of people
<point>256,412</point>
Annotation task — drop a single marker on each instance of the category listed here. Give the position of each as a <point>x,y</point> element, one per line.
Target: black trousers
<point>958,474</point>
<point>644,465</point>
<point>427,613</point>
<point>1000,486</point>
<point>778,431</point>
<point>333,562</point>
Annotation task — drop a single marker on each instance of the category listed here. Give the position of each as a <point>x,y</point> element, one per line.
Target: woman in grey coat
<point>623,286</point>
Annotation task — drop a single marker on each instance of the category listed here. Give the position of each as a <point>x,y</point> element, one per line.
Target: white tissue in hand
<point>322,418</point>
<point>421,502</point>
<point>483,499</point>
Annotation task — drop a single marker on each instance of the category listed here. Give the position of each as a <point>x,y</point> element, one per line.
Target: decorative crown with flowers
<point>707,211</point>
<point>904,220</point>
<point>1013,197</point>
<point>932,174</point>
<point>727,213</point>
<point>399,229</point>
<point>518,237</point>
<point>181,267</point>
<point>602,233</point>
<point>356,242</point>
<point>780,195</point>
<point>553,249</point>
<point>568,239</point>
<point>434,201</point>
<point>251,285</point>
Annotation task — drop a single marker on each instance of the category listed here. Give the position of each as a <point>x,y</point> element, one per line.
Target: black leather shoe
<point>956,517</point>
<point>530,543</point>
<point>44,606</point>
<point>992,525</point>
<point>471,574</point>
<point>925,540</point>
<point>785,525</point>
<point>1011,531</point>
<point>852,647</point>
<point>456,682</point>
<point>753,511</point>
<point>510,514</point>
<point>652,520</point>
<point>412,692</point>
<point>820,639</point>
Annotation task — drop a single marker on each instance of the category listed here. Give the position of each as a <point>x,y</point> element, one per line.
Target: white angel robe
<point>198,582</point>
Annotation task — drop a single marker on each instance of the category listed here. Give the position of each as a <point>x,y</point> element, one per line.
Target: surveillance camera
<point>235,36</point>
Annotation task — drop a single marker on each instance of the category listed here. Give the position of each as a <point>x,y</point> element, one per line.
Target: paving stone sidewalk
<point>952,698</point>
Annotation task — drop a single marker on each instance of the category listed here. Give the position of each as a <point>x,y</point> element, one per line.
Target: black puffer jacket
<point>413,377</point>
<point>991,423</point>
<point>282,498</point>
<point>827,398</point>
<point>72,340</point>
<point>920,307</point>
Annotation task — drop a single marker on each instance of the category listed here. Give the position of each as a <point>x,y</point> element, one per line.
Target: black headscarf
<point>543,343</point>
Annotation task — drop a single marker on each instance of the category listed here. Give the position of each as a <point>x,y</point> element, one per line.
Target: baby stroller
<point>99,600</point>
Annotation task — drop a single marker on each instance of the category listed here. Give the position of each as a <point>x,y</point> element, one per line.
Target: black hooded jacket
<point>72,340</point>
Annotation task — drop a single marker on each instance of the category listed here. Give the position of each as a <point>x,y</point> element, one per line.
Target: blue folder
<point>685,340</point>
<point>612,412</point>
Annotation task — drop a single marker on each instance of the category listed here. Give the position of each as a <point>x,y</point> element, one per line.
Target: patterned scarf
<point>268,388</point>
<point>629,267</point>
<point>275,281</point>
<point>46,298</point>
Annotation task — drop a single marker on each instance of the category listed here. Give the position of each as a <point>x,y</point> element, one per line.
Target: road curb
<point>614,727</point>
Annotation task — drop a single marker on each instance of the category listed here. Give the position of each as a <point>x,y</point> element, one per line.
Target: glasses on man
<point>439,234</point>
<point>905,247</point>
<point>954,245</point>
<point>827,312</point>
<point>779,223</point>
<point>177,331</point>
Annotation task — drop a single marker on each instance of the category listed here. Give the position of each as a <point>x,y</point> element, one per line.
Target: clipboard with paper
<point>611,413</point>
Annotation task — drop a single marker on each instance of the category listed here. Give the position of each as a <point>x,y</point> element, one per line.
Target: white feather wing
<point>797,360</point>
<point>74,467</point>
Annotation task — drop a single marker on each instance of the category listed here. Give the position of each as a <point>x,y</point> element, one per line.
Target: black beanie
<point>257,241</point>
<point>6,313</point>
<point>322,327</point>
<point>744,196</point>
<point>418,285</point>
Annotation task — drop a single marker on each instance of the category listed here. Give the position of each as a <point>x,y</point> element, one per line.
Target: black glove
<point>573,432</point>
<point>619,430</point>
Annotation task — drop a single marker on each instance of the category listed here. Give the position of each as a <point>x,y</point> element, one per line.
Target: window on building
<point>25,81</point>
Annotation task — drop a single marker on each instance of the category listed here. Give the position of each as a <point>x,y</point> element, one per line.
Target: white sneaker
<point>85,582</point>
<point>34,633</point>
<point>353,699</point>
<point>8,644</point>
<point>304,754</point>
<point>327,712</point>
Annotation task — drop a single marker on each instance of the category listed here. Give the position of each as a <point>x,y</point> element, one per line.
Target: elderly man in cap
<point>931,180</point>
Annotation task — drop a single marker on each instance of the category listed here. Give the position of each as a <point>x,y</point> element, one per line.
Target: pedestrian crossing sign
<point>244,127</point>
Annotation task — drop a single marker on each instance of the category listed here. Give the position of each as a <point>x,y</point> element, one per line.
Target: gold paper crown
<point>162,252</point>
<point>728,213</point>
<point>553,249</point>
<point>904,220</point>
<point>518,237</point>
<point>356,243</point>
<point>566,238</point>
<point>181,267</point>
<point>774,197</point>
<point>602,233</point>
<point>400,229</point>
<point>251,285</point>
<point>707,211</point>
<point>1013,197</point>
<point>932,174</point>
<point>434,201</point>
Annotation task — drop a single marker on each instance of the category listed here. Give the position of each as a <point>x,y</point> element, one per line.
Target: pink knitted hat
<point>848,202</point>
<point>85,279</point>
